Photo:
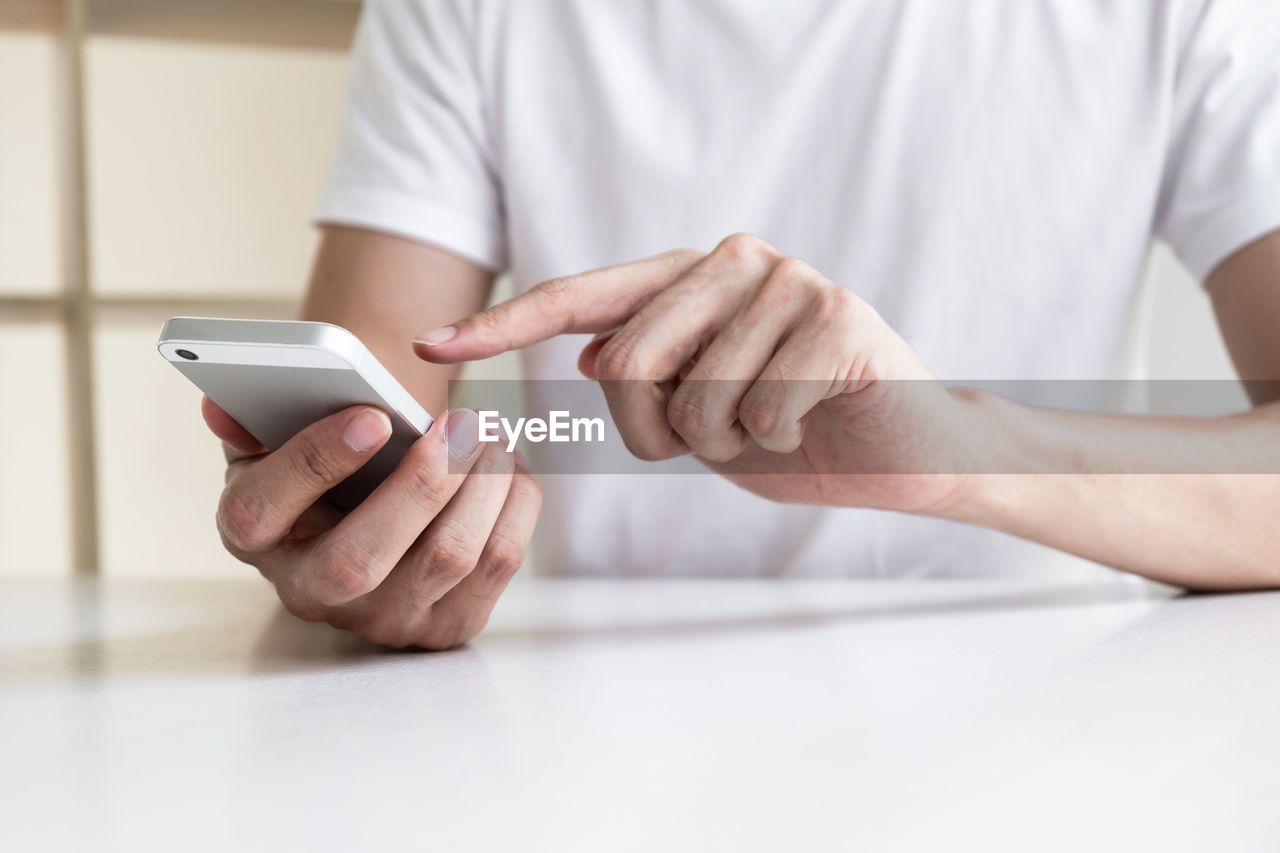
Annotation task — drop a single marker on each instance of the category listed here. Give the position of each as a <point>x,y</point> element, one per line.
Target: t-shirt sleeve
<point>1221,186</point>
<point>415,156</point>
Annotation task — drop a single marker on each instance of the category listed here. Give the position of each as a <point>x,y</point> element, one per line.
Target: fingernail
<point>366,430</point>
<point>521,461</point>
<point>435,337</point>
<point>463,432</point>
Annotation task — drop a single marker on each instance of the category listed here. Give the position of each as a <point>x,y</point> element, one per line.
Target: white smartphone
<point>278,377</point>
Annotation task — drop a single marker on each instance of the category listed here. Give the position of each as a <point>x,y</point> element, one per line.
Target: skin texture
<point>424,559</point>
<point>752,320</point>
<point>1245,291</point>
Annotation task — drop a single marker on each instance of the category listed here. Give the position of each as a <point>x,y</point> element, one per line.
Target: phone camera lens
<point>187,354</point>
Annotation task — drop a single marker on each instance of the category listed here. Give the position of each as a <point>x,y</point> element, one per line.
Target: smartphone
<point>278,377</point>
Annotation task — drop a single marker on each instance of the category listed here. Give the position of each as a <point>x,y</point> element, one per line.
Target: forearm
<point>387,290</point>
<point>1171,499</point>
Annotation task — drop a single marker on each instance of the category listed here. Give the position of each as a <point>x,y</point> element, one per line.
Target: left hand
<point>775,377</point>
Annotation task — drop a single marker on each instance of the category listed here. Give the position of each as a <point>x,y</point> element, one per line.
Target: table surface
<point>637,715</point>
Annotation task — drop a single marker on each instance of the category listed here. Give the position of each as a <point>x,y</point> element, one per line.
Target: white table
<point>656,716</point>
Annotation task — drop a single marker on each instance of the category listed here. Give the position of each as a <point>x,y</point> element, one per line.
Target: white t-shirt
<point>989,175</point>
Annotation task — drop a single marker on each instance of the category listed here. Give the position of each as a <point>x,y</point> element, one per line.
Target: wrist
<point>989,450</point>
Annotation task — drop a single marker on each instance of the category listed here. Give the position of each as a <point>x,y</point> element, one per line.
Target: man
<point>957,190</point>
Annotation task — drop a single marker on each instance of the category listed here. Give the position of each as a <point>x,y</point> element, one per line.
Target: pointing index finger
<point>591,302</point>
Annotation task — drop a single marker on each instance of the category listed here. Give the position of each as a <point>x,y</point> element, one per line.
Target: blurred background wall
<point>160,157</point>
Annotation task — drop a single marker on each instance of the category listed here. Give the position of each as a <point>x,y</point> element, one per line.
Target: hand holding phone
<point>277,377</point>
<point>423,556</point>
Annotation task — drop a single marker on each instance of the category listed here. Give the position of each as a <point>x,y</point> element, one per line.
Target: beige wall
<point>205,160</point>
<point>33,474</point>
<point>29,253</point>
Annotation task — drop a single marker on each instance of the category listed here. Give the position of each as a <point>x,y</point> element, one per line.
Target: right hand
<point>421,562</point>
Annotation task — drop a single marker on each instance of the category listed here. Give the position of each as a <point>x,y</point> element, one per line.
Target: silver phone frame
<point>288,343</point>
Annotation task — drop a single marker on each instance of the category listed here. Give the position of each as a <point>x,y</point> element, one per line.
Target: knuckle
<point>504,562</point>
<point>314,464</point>
<point>620,358</point>
<point>391,628</point>
<point>379,632</point>
<point>425,473</point>
<point>841,306</point>
<point>487,321</point>
<point>444,632</point>
<point>338,583</point>
<point>420,597</point>
<point>492,326</point>
<point>503,559</point>
<point>243,523</point>
<point>557,289</point>
<point>304,608</point>
<point>760,414</point>
<point>452,555</point>
<point>343,572</point>
<point>787,442</point>
<point>690,415</point>
<point>436,640</point>
<point>744,247</point>
<point>557,297</point>
<point>790,275</point>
